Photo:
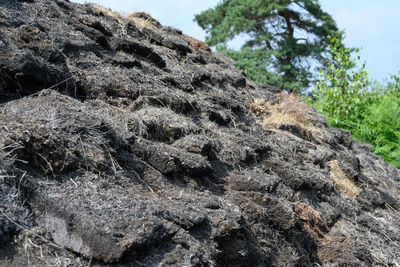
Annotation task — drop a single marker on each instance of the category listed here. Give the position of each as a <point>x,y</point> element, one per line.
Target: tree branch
<point>289,25</point>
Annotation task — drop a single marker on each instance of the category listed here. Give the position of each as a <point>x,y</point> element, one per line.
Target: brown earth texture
<point>126,143</point>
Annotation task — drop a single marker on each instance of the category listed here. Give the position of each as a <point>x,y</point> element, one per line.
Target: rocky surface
<point>125,143</point>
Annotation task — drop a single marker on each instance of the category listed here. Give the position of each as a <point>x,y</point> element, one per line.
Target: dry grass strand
<point>141,20</point>
<point>259,107</point>
<point>342,182</point>
<point>289,111</point>
<point>109,12</point>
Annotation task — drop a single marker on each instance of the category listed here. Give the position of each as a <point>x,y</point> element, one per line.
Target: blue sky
<point>369,24</point>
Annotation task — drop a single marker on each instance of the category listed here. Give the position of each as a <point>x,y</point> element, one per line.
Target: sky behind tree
<point>369,24</point>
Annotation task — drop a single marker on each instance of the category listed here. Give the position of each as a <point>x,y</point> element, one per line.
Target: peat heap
<point>126,143</point>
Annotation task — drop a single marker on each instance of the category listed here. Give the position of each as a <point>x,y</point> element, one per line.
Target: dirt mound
<point>124,142</point>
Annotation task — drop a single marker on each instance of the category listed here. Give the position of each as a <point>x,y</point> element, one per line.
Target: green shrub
<point>381,125</point>
<point>342,94</point>
<point>349,100</point>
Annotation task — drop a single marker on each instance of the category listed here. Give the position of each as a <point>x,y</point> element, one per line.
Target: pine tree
<point>293,34</point>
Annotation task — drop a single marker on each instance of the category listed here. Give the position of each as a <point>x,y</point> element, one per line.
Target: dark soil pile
<point>124,142</point>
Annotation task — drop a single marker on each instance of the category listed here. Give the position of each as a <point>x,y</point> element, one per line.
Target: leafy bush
<point>381,125</point>
<point>349,100</point>
<point>342,94</point>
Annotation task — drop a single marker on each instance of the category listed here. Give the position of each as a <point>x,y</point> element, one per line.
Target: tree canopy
<point>284,37</point>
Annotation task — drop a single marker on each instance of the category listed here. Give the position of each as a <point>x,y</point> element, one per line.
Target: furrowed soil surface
<point>126,143</point>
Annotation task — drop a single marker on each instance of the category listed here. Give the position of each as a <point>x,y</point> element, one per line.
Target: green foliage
<point>287,34</point>
<point>343,92</point>
<point>381,125</point>
<point>346,97</point>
